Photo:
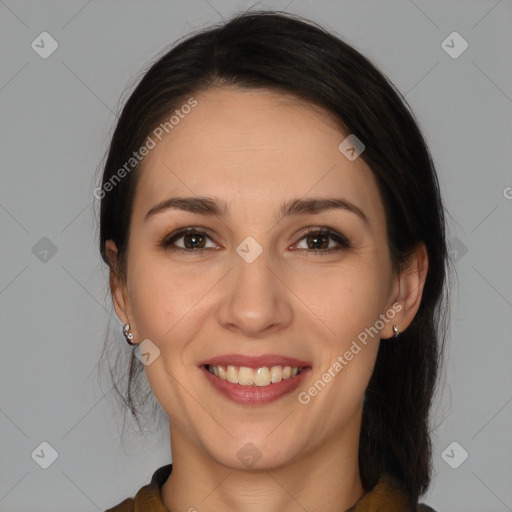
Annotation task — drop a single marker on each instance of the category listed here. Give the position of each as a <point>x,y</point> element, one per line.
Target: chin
<point>254,454</point>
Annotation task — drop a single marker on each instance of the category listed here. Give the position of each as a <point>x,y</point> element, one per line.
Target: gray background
<point>56,118</point>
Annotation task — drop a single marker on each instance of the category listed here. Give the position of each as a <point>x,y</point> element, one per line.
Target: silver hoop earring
<point>128,335</point>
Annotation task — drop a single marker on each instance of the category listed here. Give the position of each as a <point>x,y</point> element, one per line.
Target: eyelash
<point>167,242</point>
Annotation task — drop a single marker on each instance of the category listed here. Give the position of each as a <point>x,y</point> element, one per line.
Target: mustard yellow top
<point>384,497</point>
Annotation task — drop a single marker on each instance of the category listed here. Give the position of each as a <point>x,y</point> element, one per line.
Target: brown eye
<point>317,240</point>
<point>193,240</point>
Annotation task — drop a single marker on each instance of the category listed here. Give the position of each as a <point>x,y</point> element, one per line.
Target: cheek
<point>161,295</point>
<point>347,305</point>
<point>345,300</point>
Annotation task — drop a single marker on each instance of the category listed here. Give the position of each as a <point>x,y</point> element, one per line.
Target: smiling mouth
<point>262,376</point>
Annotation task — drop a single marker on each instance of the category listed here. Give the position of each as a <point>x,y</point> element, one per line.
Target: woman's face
<point>261,287</point>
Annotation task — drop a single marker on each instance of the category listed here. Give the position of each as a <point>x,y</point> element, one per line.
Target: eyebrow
<point>217,207</point>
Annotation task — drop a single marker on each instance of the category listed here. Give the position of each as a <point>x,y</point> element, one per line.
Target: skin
<point>256,149</point>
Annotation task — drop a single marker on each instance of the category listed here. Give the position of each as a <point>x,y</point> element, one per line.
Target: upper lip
<point>268,360</point>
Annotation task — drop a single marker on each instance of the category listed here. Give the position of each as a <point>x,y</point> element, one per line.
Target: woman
<point>273,225</point>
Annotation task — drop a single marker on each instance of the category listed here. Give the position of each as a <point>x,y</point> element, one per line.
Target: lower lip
<point>255,395</point>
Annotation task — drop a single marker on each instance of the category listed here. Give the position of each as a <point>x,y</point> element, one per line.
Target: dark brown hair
<point>284,53</point>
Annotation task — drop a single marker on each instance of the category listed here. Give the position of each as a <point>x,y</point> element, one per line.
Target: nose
<point>256,301</point>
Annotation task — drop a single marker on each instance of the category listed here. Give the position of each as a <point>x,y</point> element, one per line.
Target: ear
<point>117,287</point>
<point>408,290</point>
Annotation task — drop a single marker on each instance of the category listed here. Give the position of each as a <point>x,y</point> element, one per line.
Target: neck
<point>327,479</point>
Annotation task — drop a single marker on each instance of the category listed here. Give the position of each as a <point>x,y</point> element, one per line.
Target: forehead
<point>254,147</point>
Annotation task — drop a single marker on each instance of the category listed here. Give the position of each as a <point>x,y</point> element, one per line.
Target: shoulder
<point>125,506</point>
<point>425,508</point>
<point>148,498</point>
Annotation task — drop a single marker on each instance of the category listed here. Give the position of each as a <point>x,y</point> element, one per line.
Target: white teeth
<point>232,375</point>
<point>222,372</point>
<point>276,373</point>
<point>262,376</point>
<point>245,376</point>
